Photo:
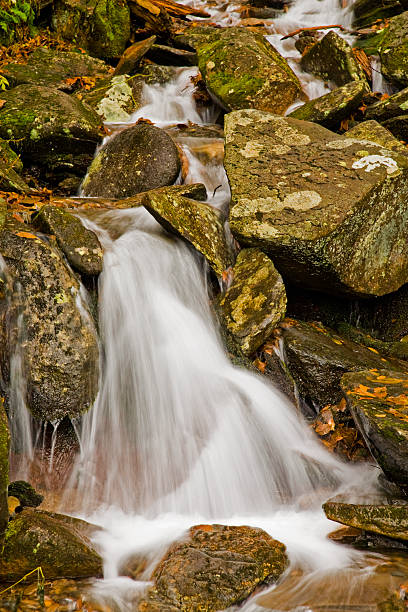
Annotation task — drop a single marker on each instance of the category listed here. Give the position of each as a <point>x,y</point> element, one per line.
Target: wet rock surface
<point>242,70</point>
<point>387,519</point>
<point>324,207</point>
<point>255,301</point>
<point>214,567</point>
<point>52,68</point>
<point>49,128</point>
<point>332,59</point>
<point>80,245</point>
<point>140,158</point>
<point>329,110</point>
<point>317,357</point>
<point>196,222</point>
<point>36,538</point>
<point>60,345</point>
<point>378,402</point>
<point>101,27</point>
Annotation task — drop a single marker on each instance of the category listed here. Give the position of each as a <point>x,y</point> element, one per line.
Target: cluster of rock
<point>319,220</point>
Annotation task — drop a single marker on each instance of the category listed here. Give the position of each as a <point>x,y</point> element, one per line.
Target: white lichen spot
<point>370,162</point>
<point>252,149</point>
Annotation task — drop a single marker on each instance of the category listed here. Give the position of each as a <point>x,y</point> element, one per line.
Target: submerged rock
<point>60,344</point>
<point>49,128</point>
<point>316,357</point>
<point>242,70</point>
<point>330,211</point>
<point>329,110</point>
<point>390,520</point>
<point>52,68</point>
<point>394,50</point>
<point>378,402</point>
<point>196,222</point>
<point>213,568</point>
<point>101,27</point>
<point>140,158</point>
<point>80,245</point>
<point>375,132</point>
<point>59,546</point>
<point>255,301</point>
<point>332,59</point>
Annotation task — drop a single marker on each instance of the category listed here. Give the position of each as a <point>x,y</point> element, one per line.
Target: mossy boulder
<point>140,158</point>
<point>195,222</point>
<point>25,493</point>
<point>316,357</point>
<point>332,59</point>
<point>79,244</point>
<point>101,27</point>
<point>34,538</point>
<point>378,402</point>
<point>374,131</point>
<point>49,128</point>
<point>332,212</point>
<point>4,470</point>
<point>52,68</point>
<point>387,519</point>
<point>394,50</point>
<point>329,110</point>
<point>367,12</point>
<point>254,302</point>
<point>60,344</point>
<point>213,568</point>
<point>242,70</point>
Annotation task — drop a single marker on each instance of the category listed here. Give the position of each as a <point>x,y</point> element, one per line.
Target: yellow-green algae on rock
<point>332,212</point>
<point>255,301</point>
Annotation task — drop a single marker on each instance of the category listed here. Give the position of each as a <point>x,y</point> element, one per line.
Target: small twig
<point>299,30</point>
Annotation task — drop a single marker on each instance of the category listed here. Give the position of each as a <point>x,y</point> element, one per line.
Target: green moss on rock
<point>242,70</point>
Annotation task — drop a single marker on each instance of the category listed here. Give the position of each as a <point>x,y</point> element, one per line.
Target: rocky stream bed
<point>204,305</point>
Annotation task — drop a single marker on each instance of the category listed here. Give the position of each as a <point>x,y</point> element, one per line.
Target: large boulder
<point>79,244</point>
<point>49,128</point>
<point>316,357</point>
<point>101,27</point>
<point>242,70</point>
<point>140,158</point>
<point>254,302</point>
<point>394,50</point>
<point>52,68</point>
<point>214,567</point>
<point>329,110</point>
<point>387,519</point>
<point>332,59</point>
<point>56,543</point>
<point>378,402</point>
<point>60,344</point>
<point>330,211</point>
<point>196,222</point>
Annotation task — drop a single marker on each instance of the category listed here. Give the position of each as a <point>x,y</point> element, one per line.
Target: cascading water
<point>177,435</point>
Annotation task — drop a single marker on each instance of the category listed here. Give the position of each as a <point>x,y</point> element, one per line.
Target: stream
<point>178,436</point>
